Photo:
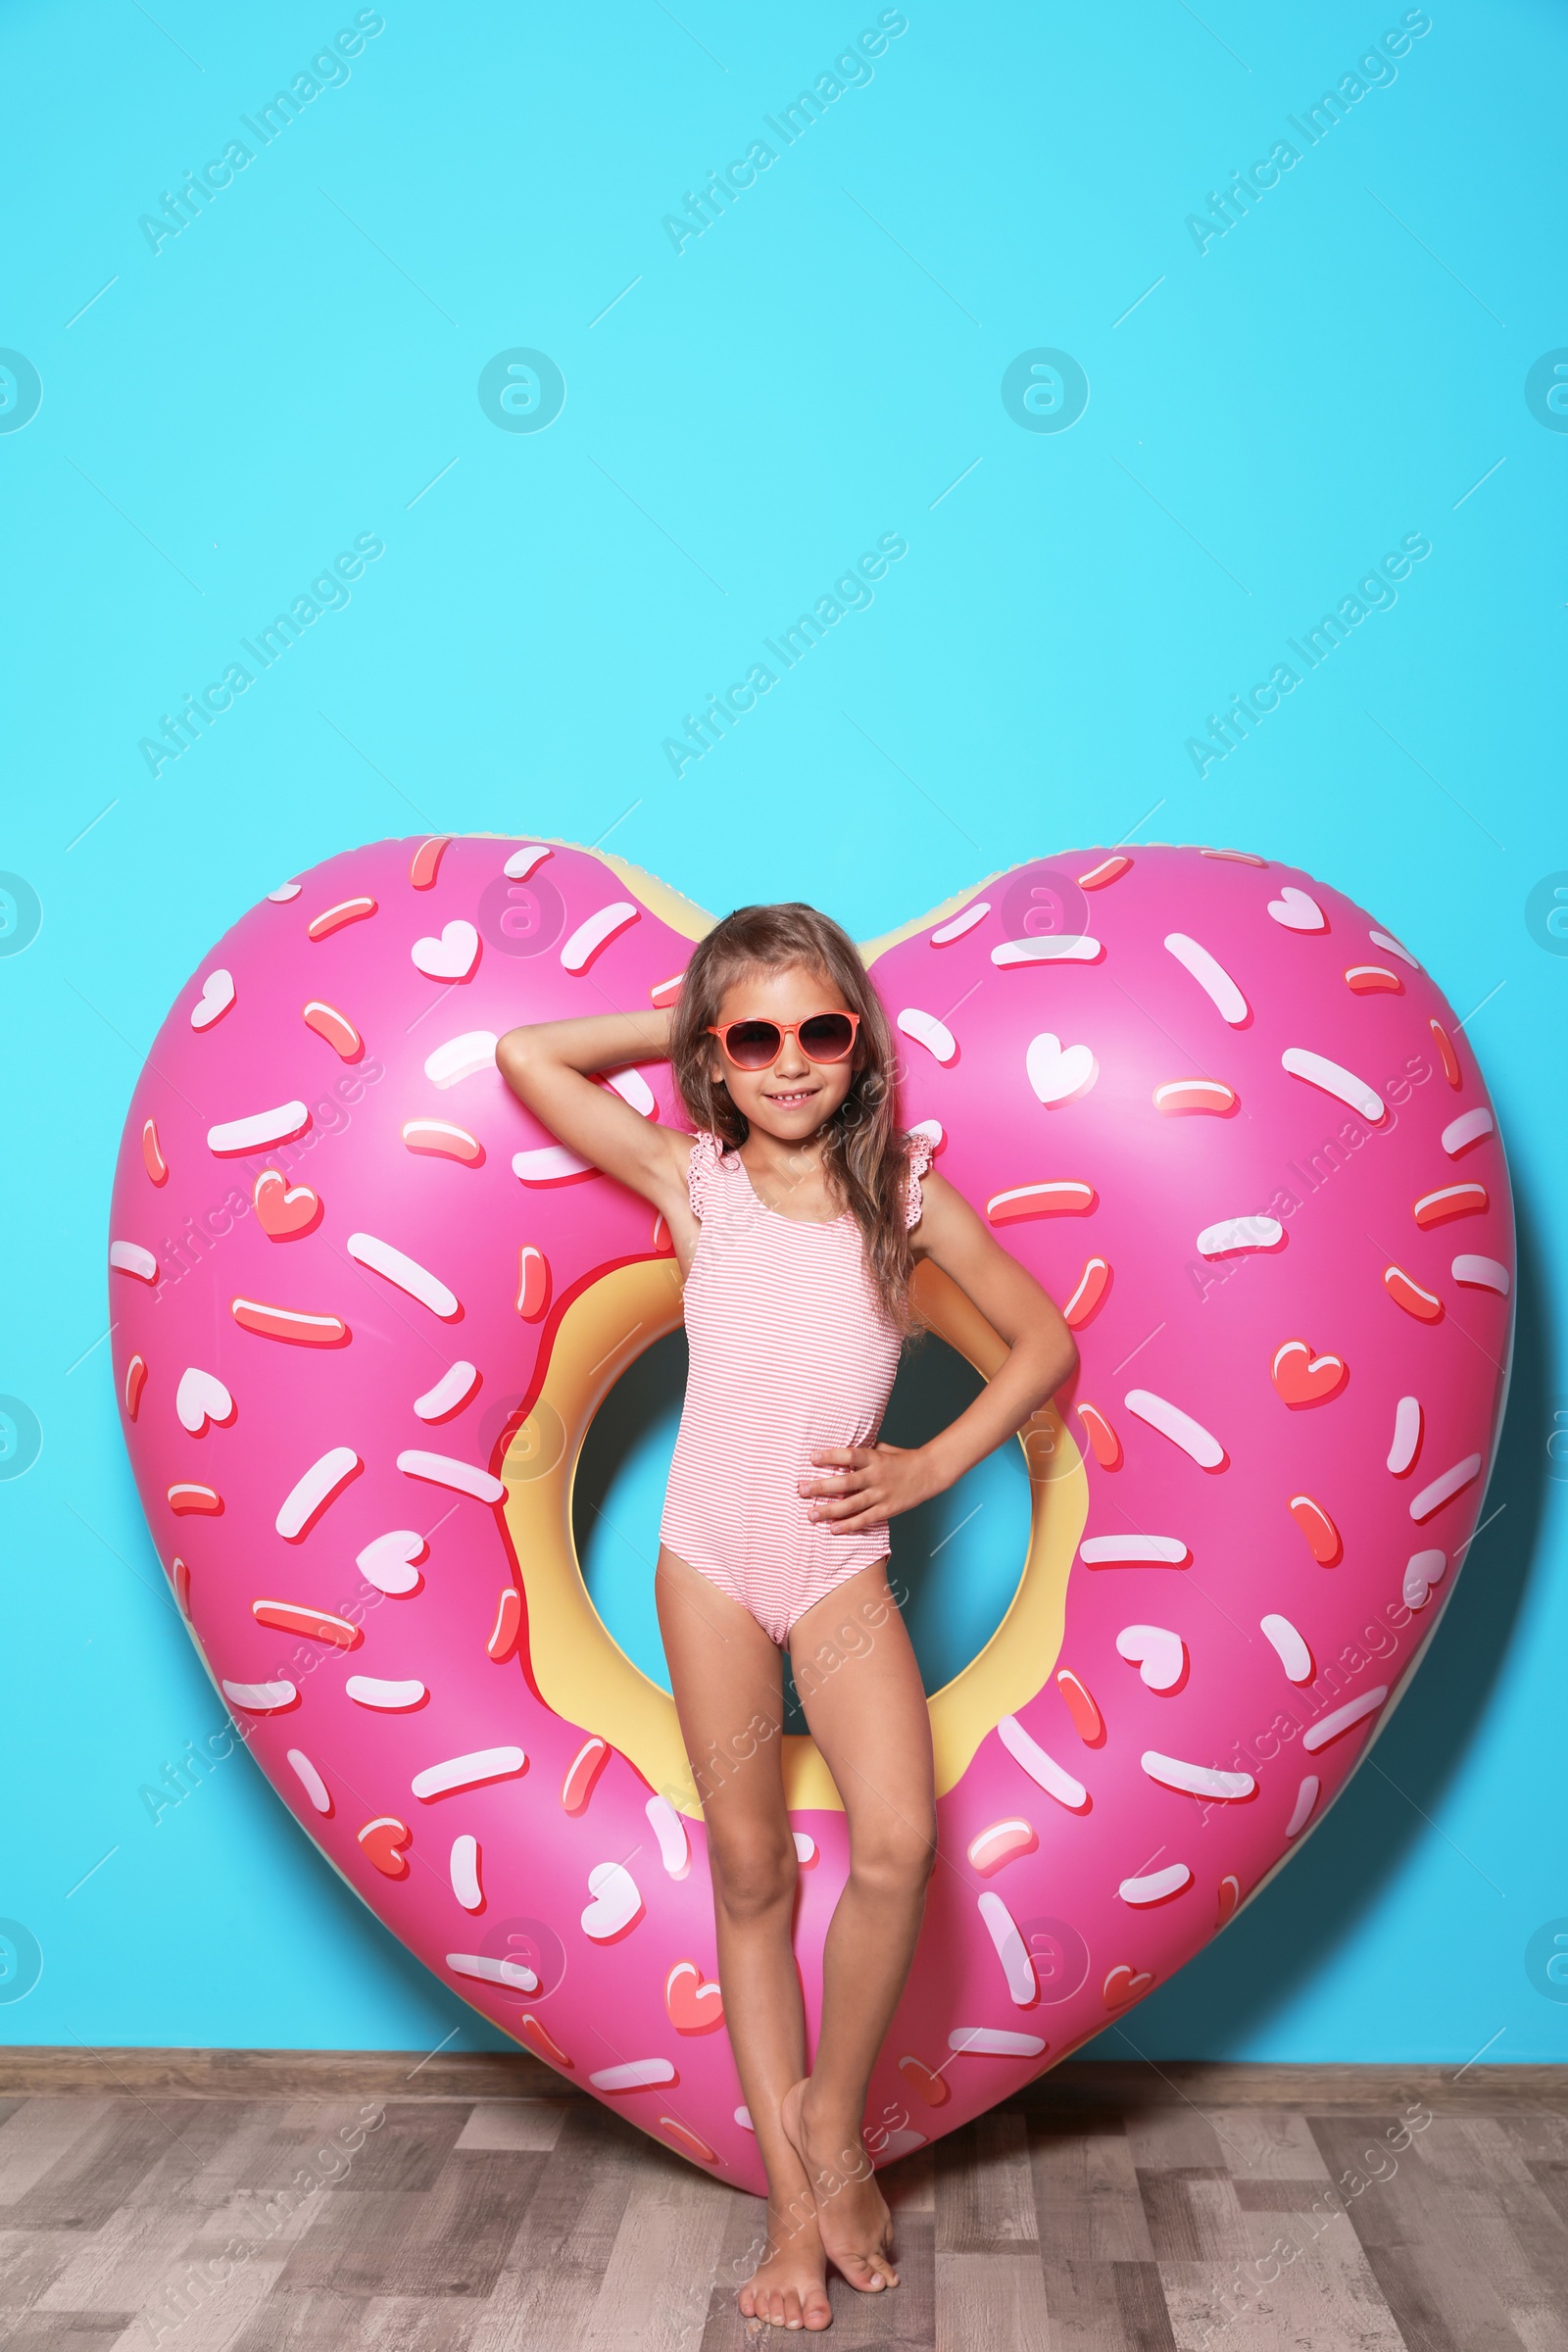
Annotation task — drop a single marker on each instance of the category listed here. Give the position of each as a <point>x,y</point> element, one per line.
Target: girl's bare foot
<point>852,2212</point>
<point>789,2287</point>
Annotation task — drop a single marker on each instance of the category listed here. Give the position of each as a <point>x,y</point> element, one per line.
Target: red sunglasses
<point>755,1045</point>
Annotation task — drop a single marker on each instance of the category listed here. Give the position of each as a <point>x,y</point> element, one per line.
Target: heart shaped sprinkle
<point>1303,1378</point>
<point>452,956</point>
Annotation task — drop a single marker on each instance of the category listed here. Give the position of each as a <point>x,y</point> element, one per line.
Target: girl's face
<point>793,1096</point>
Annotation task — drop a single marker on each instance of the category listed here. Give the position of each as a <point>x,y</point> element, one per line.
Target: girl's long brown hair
<point>864,1152</point>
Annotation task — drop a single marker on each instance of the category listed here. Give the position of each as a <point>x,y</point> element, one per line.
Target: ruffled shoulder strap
<point>701,1166</point>
<point>921,1152</point>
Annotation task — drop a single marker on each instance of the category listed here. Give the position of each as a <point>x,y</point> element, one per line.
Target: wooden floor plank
<point>101,2171</point>
<point>996,2298</point>
<point>1266,2143</point>
<point>1106,2307</point>
<point>509,2223</point>
<point>659,2272</point>
<point>1087,2208</point>
<point>984,2187</point>
<point>36,2135</point>
<point>549,2283</point>
<point>527,2126</point>
<point>67,2331</point>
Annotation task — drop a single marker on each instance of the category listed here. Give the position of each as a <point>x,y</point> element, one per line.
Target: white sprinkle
<point>1041,1769</point>
<point>1196,1780</point>
<point>310,1779</point>
<point>462,1057</point>
<point>261,1129</point>
<point>408,1274</point>
<point>589,937</point>
<point>387,1562</point>
<point>1383,939</point>
<point>1343,1084</point>
<point>1302,1811</point>
<point>520,864</point>
<point>467,1772</point>
<point>370,1691</point>
<point>218,994</point>
<point>743,2116</point>
<point>1133,1552</point>
<point>993,2041</point>
<point>1341,1718</point>
<point>463,1478</point>
<point>1293,1652</point>
<point>319,1484</point>
<point>1159,1655</point>
<point>674,1848</point>
<point>1480,1274</point>
<point>454,1388</point>
<point>804,1847</point>
<point>1156,1885</point>
<point>493,1972</point>
<point>961,924</point>
<point>1468,1129</point>
<point>1211,977</point>
<point>1235,1234</point>
<point>285,891</point>
<point>1406,1435</point>
<point>548,1164</point>
<point>1060,1073</point>
<point>1181,1429</point>
<point>261,1698</point>
<point>200,1398</point>
<point>463,1864</point>
<point>1016,1965</point>
<point>1443,1489</point>
<point>633,1087</point>
<point>1049,948</point>
<point>928,1031</point>
<point>1296,909</point>
<point>130,1257</point>
<point>1422,1571</point>
<point>635,2075</point>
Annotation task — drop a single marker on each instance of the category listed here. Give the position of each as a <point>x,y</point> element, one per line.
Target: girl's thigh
<point>727,1679</point>
<point>861,1688</point>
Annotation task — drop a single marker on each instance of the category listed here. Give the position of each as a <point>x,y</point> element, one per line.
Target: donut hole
<point>617,1497</point>
<point>957,1561</point>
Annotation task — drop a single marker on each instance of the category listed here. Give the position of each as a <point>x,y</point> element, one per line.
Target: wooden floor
<point>234,2201</point>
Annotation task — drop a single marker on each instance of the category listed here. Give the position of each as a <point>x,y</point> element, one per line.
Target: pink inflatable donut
<point>365,1310</point>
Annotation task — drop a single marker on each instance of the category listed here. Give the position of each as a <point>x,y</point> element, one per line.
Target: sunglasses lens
<point>827,1035</point>
<point>754,1045</point>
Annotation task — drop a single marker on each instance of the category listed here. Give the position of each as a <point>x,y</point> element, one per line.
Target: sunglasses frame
<point>721,1030</point>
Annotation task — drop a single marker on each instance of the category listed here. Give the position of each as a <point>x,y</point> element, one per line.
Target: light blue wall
<point>299,364</point>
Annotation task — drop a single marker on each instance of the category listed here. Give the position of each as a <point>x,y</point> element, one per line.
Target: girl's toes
<point>792,2309</point>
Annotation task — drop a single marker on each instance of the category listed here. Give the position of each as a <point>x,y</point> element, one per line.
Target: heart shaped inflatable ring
<point>365,1310</point>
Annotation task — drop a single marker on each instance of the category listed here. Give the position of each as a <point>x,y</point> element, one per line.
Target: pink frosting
<point>1203,1099</point>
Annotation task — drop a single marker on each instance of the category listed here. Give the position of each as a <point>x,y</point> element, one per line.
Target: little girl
<point>798,1215</point>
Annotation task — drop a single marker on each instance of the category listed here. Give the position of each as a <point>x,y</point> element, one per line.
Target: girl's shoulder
<point>922,1149</point>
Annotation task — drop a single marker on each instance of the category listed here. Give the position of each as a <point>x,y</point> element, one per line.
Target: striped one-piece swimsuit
<point>790,1352</point>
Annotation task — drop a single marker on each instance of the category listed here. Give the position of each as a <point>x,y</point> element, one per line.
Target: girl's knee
<point>754,1871</point>
<point>897,1856</point>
